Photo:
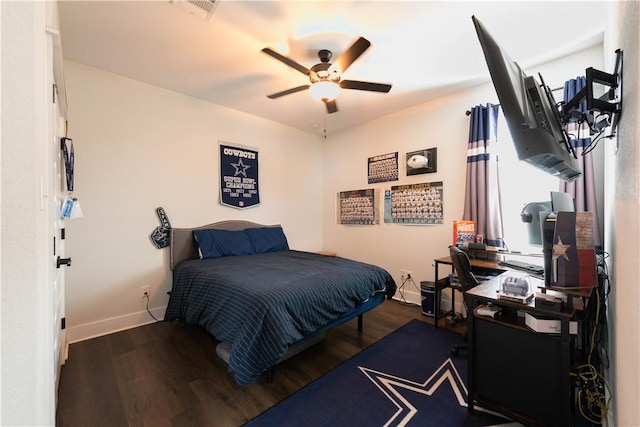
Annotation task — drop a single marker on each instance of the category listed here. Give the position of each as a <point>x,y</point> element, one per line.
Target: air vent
<point>203,9</point>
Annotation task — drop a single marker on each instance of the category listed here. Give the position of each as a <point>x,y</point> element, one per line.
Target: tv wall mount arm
<point>609,104</point>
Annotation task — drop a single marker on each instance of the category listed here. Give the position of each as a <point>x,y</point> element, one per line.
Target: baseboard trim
<point>121,323</point>
<point>114,324</point>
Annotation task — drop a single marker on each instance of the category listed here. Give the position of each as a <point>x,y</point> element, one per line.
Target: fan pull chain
<point>325,124</point>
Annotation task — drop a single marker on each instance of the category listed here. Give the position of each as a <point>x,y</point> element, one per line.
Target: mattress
<point>261,304</point>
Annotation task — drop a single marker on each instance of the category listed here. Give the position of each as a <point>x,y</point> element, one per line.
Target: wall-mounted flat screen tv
<point>531,113</point>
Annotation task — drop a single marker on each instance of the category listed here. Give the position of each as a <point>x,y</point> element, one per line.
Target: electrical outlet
<point>403,274</point>
<point>408,274</point>
<point>144,292</point>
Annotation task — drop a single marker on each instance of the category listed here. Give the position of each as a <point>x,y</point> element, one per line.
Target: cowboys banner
<point>238,176</point>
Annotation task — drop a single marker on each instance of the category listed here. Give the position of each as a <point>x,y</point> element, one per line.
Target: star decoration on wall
<point>392,386</point>
<point>560,250</point>
<point>241,168</point>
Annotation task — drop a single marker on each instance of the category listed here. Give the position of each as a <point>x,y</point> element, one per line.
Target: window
<point>520,183</point>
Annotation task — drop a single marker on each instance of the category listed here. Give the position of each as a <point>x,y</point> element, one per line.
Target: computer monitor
<point>531,112</point>
<point>562,202</point>
<point>530,215</point>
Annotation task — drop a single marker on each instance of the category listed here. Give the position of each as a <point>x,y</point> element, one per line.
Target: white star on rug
<point>389,384</point>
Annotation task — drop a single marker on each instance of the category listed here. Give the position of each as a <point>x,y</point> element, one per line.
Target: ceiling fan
<point>325,77</point>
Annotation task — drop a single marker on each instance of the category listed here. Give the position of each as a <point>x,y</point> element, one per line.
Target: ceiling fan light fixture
<point>321,72</point>
<point>325,78</point>
<point>324,91</point>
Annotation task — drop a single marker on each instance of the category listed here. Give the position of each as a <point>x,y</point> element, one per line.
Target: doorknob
<point>63,261</point>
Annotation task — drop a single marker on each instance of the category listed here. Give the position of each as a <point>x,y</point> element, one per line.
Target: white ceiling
<point>426,49</point>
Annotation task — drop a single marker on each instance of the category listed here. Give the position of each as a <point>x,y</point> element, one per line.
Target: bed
<point>261,300</point>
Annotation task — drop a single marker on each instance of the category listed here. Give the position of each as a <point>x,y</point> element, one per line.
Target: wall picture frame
<point>422,161</point>
<point>358,207</point>
<point>419,204</point>
<point>382,168</point>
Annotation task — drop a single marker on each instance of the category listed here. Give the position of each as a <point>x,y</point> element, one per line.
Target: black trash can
<point>428,296</point>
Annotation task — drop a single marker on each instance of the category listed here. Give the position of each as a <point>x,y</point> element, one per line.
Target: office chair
<point>466,281</point>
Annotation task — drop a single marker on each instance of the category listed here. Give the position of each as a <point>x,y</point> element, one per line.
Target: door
<point>55,191</point>
<point>59,262</point>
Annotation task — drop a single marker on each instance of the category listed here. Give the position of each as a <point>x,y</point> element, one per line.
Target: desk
<point>443,283</point>
<point>515,371</point>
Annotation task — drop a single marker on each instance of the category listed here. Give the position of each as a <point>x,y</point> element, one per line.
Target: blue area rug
<point>407,378</point>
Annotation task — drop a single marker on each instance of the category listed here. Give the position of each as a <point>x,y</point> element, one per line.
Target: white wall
<point>622,224</point>
<point>138,147</point>
<point>442,124</point>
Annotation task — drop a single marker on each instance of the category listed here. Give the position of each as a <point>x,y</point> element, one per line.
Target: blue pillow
<point>267,239</point>
<point>218,243</point>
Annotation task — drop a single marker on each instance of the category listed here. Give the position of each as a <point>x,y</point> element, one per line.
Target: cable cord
<point>149,311</point>
<point>401,289</point>
<point>593,390</point>
<point>594,395</point>
<point>599,133</point>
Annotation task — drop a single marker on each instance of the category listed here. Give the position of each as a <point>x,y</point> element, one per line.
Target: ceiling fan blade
<point>290,62</point>
<point>358,85</point>
<point>332,107</point>
<point>288,91</point>
<point>350,55</point>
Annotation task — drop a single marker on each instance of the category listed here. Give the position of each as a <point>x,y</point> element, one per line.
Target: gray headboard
<point>182,244</point>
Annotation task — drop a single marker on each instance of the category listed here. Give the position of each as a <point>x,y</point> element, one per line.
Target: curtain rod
<point>468,112</point>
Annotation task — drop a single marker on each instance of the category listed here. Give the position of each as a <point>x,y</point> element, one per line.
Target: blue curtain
<point>583,189</point>
<point>482,196</point>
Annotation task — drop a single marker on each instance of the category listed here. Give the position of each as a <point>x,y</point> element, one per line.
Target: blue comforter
<point>261,304</point>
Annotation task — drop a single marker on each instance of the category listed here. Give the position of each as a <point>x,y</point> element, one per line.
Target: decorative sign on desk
<point>574,250</point>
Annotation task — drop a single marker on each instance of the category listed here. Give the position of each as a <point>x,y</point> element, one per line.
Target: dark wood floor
<point>168,374</point>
